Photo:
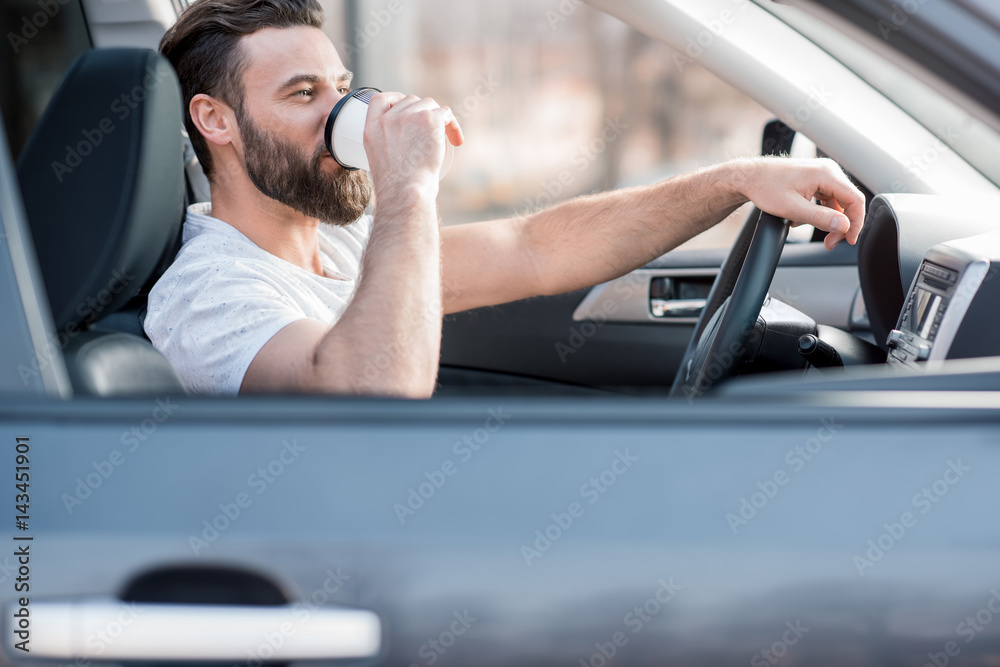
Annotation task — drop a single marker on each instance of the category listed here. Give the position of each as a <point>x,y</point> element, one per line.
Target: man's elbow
<point>414,390</point>
<point>417,391</point>
<point>380,384</point>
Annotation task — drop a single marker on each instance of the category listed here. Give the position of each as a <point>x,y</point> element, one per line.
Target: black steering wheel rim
<point>723,334</point>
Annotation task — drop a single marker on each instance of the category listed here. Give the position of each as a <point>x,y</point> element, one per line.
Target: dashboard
<point>918,275</point>
<point>951,309</point>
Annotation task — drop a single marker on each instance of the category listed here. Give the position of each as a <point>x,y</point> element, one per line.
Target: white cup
<point>345,131</point>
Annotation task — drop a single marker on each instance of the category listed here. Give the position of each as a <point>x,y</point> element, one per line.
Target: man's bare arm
<point>388,340</point>
<point>592,239</point>
<point>395,315</point>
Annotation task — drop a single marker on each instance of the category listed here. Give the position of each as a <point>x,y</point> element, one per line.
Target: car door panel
<point>536,529</point>
<point>607,335</point>
<point>538,338</point>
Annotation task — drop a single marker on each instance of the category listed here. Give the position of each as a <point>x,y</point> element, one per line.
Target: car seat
<point>102,179</point>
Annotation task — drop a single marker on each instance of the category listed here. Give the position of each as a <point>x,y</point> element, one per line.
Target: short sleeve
<point>211,319</point>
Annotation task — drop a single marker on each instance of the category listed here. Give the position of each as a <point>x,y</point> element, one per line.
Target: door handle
<point>108,629</point>
<point>669,308</point>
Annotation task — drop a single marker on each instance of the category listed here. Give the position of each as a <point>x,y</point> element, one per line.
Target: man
<point>264,296</point>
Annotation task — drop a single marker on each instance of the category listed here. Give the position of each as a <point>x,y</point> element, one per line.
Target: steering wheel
<point>725,331</point>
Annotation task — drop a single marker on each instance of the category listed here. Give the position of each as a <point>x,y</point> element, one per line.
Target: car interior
<point>680,326</point>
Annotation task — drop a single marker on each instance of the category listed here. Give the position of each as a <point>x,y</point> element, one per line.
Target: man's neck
<point>272,226</point>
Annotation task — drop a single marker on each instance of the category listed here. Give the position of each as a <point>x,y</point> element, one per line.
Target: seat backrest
<point>103,186</point>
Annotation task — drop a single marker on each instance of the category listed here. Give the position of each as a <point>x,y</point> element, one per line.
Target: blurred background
<point>556,99</point>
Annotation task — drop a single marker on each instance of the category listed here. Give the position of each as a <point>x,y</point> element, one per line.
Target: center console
<point>952,310</point>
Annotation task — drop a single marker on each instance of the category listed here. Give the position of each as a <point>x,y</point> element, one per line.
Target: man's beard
<point>281,173</point>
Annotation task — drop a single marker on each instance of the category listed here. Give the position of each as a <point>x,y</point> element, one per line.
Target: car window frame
<point>29,346</point>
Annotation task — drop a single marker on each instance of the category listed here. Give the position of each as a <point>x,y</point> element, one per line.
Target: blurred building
<point>556,99</point>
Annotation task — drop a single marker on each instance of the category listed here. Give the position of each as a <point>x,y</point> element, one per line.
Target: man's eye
<point>305,93</point>
<point>343,90</point>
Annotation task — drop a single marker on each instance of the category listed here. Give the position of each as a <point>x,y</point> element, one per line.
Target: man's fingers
<point>399,103</point>
<point>856,212</point>
<point>453,130</point>
<point>411,102</point>
<point>832,239</point>
<point>789,188</point>
<point>829,202</point>
<point>380,104</point>
<point>849,199</point>
<point>821,217</point>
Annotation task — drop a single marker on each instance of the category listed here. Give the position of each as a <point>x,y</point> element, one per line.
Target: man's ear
<point>214,119</point>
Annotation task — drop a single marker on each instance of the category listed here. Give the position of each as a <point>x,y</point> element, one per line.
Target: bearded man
<point>284,284</point>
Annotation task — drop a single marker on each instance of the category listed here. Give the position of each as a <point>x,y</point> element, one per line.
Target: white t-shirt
<point>224,297</point>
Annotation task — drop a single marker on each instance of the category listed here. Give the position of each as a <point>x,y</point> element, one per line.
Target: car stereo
<point>952,310</point>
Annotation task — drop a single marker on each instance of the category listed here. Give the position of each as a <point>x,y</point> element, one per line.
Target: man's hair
<point>204,48</point>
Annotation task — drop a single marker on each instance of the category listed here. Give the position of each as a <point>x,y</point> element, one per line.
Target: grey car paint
<point>828,514</point>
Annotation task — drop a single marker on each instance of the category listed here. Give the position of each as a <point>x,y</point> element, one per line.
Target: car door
<point>504,530</point>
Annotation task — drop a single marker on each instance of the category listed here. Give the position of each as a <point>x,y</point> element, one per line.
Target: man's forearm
<point>388,341</point>
<point>596,238</point>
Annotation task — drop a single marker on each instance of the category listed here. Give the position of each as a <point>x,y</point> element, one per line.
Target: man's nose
<point>325,104</point>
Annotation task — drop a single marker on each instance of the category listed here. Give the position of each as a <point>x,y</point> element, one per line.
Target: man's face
<point>293,80</point>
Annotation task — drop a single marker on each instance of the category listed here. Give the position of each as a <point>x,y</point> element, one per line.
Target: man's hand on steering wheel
<point>781,189</point>
<point>786,188</point>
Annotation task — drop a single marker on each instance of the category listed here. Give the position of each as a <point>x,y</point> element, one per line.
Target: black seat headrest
<point>103,183</point>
